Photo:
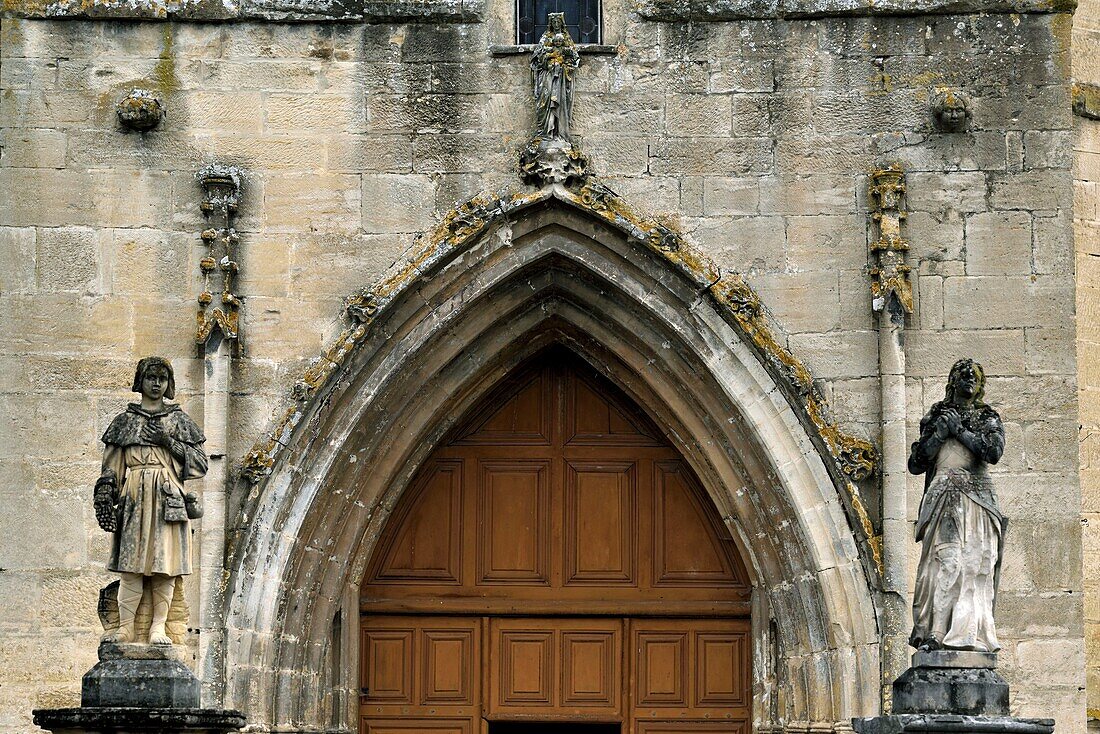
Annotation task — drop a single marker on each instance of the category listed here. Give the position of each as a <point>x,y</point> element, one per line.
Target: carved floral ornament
<point>554,169</point>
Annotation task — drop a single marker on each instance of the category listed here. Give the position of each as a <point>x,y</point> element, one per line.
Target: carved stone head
<point>951,109</point>
<point>555,23</point>
<point>140,110</point>
<point>149,363</point>
<point>966,383</point>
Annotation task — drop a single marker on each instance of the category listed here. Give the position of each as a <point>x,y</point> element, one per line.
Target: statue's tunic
<point>961,527</point>
<point>145,541</point>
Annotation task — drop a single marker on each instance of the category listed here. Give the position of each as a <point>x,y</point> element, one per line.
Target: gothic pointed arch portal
<point>501,279</point>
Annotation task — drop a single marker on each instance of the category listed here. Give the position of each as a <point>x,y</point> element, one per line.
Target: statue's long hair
<point>953,380</point>
<point>144,366</point>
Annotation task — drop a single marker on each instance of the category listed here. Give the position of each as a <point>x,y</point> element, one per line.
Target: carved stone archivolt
<point>221,188</point>
<point>854,458</point>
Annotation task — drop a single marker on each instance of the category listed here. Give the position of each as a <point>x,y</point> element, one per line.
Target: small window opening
<point>582,18</point>
<point>562,727</point>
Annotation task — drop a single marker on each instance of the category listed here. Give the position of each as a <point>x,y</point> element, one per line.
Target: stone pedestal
<point>129,675</point>
<point>952,682</point>
<point>139,689</point>
<point>951,691</point>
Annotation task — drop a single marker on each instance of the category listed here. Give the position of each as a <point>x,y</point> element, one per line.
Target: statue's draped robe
<point>553,68</point>
<point>961,528</point>
<point>144,542</point>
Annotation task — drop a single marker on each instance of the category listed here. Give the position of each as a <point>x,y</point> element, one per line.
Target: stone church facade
<point>336,237</point>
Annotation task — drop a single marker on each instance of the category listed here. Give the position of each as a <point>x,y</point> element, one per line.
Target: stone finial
<point>890,287</point>
<point>221,190</point>
<point>951,109</point>
<point>140,110</point>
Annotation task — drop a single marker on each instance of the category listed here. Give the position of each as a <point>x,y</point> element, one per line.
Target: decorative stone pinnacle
<point>221,189</point>
<point>891,289</point>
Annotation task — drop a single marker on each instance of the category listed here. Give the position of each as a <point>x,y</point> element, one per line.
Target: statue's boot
<point>129,597</point>
<point>163,587</point>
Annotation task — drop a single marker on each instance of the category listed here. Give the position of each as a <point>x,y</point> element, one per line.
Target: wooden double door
<point>555,566</point>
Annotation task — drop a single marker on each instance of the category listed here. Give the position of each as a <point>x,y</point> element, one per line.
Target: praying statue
<point>960,524</point>
<point>553,62</point>
<point>151,449</point>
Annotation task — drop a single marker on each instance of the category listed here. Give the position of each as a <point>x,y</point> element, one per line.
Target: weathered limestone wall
<point>753,136</point>
<point>1086,70</point>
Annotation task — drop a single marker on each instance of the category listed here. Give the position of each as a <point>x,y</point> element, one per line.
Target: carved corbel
<point>891,289</point>
<point>221,189</point>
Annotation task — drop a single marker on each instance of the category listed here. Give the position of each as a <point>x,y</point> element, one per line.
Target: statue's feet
<point>122,635</point>
<point>931,644</point>
<point>158,637</point>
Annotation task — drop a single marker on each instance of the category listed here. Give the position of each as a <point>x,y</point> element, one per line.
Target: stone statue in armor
<point>960,524</point>
<point>150,450</point>
<point>553,62</point>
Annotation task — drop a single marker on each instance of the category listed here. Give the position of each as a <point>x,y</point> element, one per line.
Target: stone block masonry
<point>750,132</point>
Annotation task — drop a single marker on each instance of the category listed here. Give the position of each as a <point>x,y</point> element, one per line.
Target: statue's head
<point>966,383</point>
<point>555,23</point>
<point>155,365</point>
<point>951,108</point>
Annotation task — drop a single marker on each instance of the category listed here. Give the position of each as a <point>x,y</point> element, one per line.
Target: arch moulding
<point>502,276</point>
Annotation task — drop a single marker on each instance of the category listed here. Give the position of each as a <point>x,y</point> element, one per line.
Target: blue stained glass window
<point>582,18</point>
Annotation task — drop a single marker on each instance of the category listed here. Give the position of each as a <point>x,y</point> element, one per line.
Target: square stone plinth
<point>951,690</point>
<point>139,676</point>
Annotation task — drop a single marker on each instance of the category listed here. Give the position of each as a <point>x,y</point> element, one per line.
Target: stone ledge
<point>126,719</point>
<point>951,724</point>
<point>281,11</point>
<point>585,49</point>
<point>677,11</point>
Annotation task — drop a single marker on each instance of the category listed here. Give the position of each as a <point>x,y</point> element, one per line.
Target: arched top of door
<point>556,494</point>
<point>502,277</point>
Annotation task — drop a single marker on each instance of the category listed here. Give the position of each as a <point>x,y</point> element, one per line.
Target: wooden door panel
<point>688,548</point>
<point>428,548</point>
<point>720,665</point>
<point>448,671</point>
<point>691,668</point>
<point>595,416</point>
<point>727,726</point>
<point>660,668</point>
<point>590,669</point>
<point>555,666</point>
<point>413,664</point>
<point>586,576</point>
<point>524,660</point>
<point>388,665</point>
<point>601,523</point>
<point>514,522</point>
<point>416,726</point>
